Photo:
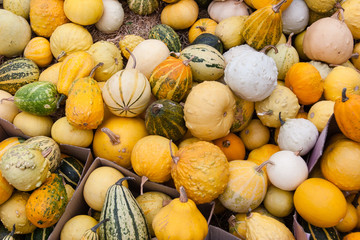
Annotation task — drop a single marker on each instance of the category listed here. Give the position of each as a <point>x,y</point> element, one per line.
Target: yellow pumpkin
<point>356,61</point>
<point>38,50</point>
<point>6,189</point>
<point>180,15</point>
<point>229,30</point>
<point>203,25</point>
<point>263,3</point>
<point>83,12</point>
<point>320,113</point>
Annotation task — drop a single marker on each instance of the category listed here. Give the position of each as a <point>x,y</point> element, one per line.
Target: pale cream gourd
<point>295,18</point>
<point>33,125</point>
<point>19,7</point>
<point>235,51</point>
<point>148,54</point>
<point>220,10</point>
<point>112,18</point>
<point>15,33</point>
<point>75,227</point>
<point>322,67</point>
<point>209,110</point>
<point>229,31</point>
<point>320,113</point>
<point>8,109</point>
<point>352,16</point>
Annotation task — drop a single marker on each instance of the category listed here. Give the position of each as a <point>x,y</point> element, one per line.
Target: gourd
<point>235,51</point>
<point>262,154</point>
<point>246,187</point>
<point>320,113</point>
<point>286,170</point>
<point>232,146</point>
<point>255,134</point>
<point>126,219</point>
<point>229,30</point>
<point>33,125</point>
<point>91,234</point>
<point>47,203</point>
<point>51,73</point>
<point>323,68</point>
<point>40,234</point>
<point>321,8</point>
<point>84,14</point>
<point>211,40</point>
<point>295,18</point>
<point>24,168</point>
<point>244,111</point>
<point>180,15</point>
<point>356,61</point>
<point>6,189</point>
<point>264,26</point>
<point>69,38</point>
<point>202,25</point>
<point>257,4</point>
<point>297,134</point>
<point>9,142</point>
<point>167,35</point>
<point>15,33</point>
<point>220,10</point>
<point>8,109</point>
<point>165,118</point>
<point>171,79</point>
<point>209,110</point>
<point>336,48</point>
<point>279,202</point>
<point>143,7</point>
<point>129,41</point>
<point>10,236</point>
<point>46,16</point>
<point>317,232</point>
<point>202,169</point>
<point>76,226</point>
<point>181,213</point>
<point>38,50</point>
<point>115,138</point>
<point>71,170</point>
<point>112,17</point>
<point>256,79</point>
<point>20,8</point>
<point>350,220</point>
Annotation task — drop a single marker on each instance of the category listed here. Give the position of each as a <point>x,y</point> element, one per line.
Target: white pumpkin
<point>251,75</point>
<point>297,134</point>
<point>286,170</point>
<point>322,67</point>
<point>220,10</point>
<point>235,51</point>
<point>112,18</point>
<point>296,17</point>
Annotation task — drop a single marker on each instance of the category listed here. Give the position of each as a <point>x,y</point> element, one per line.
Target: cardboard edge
<point>11,129</point>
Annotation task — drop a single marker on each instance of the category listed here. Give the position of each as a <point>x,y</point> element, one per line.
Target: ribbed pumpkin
<point>38,50</point>
<point>143,7</point>
<point>202,25</point>
<point>264,26</point>
<point>246,187</point>
<point>167,35</point>
<point>347,115</point>
<point>171,79</point>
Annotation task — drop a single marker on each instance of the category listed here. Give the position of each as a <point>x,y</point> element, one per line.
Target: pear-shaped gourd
<point>180,219</point>
<point>295,18</point>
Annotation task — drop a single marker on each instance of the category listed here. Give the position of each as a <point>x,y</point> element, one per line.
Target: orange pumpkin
<point>263,153</point>
<point>203,25</point>
<point>9,142</point>
<point>38,50</point>
<point>352,236</point>
<point>305,81</point>
<point>5,189</point>
<point>232,146</point>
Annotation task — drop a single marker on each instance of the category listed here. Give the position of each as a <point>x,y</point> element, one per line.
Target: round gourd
<point>229,30</point>
<point>19,7</point>
<point>8,109</point>
<point>143,7</point>
<point>320,113</point>
<point>76,226</point>
<point>51,73</point>
<point>220,10</point>
<point>167,35</point>
<point>129,41</point>
<point>244,111</point>
<point>323,68</point>
<point>350,220</point>
<point>33,125</point>
<point>9,142</point>
<point>211,40</point>
<point>209,110</point>
<point>232,146</point>
<point>255,134</point>
<point>38,50</point>
<point>262,154</point>
<point>180,15</point>
<point>295,18</point>
<point>84,14</point>
<point>278,202</point>
<point>298,44</point>
<point>112,18</point>
<point>15,33</point>
<point>235,51</point>
<point>202,25</point>
<point>321,7</point>
<point>6,189</point>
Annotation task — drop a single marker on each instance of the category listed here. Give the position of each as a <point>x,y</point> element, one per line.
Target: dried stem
<point>114,139</point>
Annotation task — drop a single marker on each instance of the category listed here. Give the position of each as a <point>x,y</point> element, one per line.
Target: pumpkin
<point>320,202</point>
<point>46,16</point>
<point>244,111</point>
<point>76,226</point>
<point>8,109</point>
<point>320,113</point>
<point>112,17</point>
<point>130,42</point>
<point>211,40</point>
<point>220,10</point>
<point>257,4</point>
<point>181,213</point>
<point>20,8</point>
<point>6,189</point>
<point>69,38</point>
<point>264,26</point>
<point>339,78</point>
<point>180,15</point>
<point>143,7</point>
<point>262,154</point>
<point>336,48</point>
<point>202,25</point>
<point>209,110</point>
<point>33,125</point>
<point>51,73</point>
<point>356,61</point>
<point>38,50</point>
<point>295,18</point>
<point>229,30</point>
<point>167,35</point>
<point>202,169</point>
<point>151,158</point>
<point>232,146</point>
<point>84,14</point>
<point>255,134</point>
<point>115,139</point>
<point>9,142</point>
<point>350,220</point>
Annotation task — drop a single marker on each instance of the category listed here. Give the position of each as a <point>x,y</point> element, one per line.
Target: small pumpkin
<point>202,25</point>
<point>295,17</point>
<point>76,226</point>
<point>84,14</point>
<point>229,30</point>
<point>220,10</point>
<point>38,50</point>
<point>320,113</point>
<point>180,15</point>
<point>112,17</point>
<point>232,146</point>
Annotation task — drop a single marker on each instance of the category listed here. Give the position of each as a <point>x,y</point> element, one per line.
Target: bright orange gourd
<point>5,189</point>
<point>38,50</point>
<point>263,3</point>
<point>232,146</point>
<point>203,25</point>
<point>9,142</point>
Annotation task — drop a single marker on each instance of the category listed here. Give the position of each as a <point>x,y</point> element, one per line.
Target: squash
<point>10,236</point>
<point>323,68</point>
<point>202,25</point>
<point>211,40</point>
<point>180,15</point>
<point>246,187</point>
<point>235,51</point>
<point>83,13</point>
<point>351,236</point>
<point>33,125</point>
<point>71,170</point>
<point>143,7</point>
<point>323,7</point>
<point>51,73</point>
<point>262,154</point>
<point>181,213</point>
<point>350,220</point>
<point>244,111</point>
<point>6,189</point>
<point>317,232</point>
<point>336,48</point>
<point>20,8</point>
<point>112,17</point>
<point>232,146</point>
<point>264,26</point>
<point>8,109</point>
<point>69,38</point>
<point>209,110</point>
<point>17,72</point>
<point>115,138</point>
<point>165,118</point>
<point>229,30</point>
<point>220,10</point>
<point>38,50</point>
<point>9,142</point>
<point>298,44</point>
<point>202,169</point>
<point>126,219</point>
<point>15,33</point>
<point>46,16</point>
<point>295,18</point>
<point>76,226</point>
<point>356,61</point>
<point>255,135</point>
<point>171,79</point>
<point>40,234</point>
<point>257,4</point>
<point>167,35</point>
<point>91,234</point>
<point>320,113</point>
<point>129,41</point>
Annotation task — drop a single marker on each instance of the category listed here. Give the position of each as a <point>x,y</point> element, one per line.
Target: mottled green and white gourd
<point>167,35</point>
<point>143,7</point>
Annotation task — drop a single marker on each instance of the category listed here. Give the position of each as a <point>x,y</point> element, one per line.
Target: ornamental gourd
<point>220,10</point>
<point>202,25</point>
<point>229,30</point>
<point>77,11</point>
<point>320,113</point>
<point>91,234</point>
<point>6,189</point>
<point>351,9</point>
<point>296,17</point>
<point>38,50</point>
<point>244,111</point>
<point>180,15</point>
<point>143,7</point>
<point>167,35</point>
<point>112,18</point>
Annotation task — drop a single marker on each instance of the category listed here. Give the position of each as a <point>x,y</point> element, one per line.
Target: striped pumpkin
<point>126,219</point>
<point>165,118</point>
<point>127,93</point>
<point>207,63</point>
<point>167,35</point>
<point>70,169</point>
<point>16,73</point>
<point>143,7</point>
<point>263,27</point>
<point>171,79</point>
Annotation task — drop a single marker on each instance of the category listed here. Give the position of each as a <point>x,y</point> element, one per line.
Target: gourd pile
<point>230,116</point>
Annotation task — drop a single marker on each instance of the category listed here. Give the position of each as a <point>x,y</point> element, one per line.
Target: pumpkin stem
<point>155,109</point>
<point>114,138</point>
<point>11,99</point>
<point>61,98</point>
<point>12,231</point>
<point>297,153</point>
<point>63,53</point>
<point>344,98</point>
<point>183,197</point>
<point>119,182</point>
<point>232,220</point>
<point>94,228</point>
<point>177,54</point>
<point>226,143</point>
<point>282,122</point>
<point>355,55</point>
<point>46,152</point>
<point>143,181</point>
<point>94,68</point>
<point>202,28</point>
<point>276,7</point>
<point>269,112</point>
<point>187,61</point>
<point>211,212</point>
<point>339,12</point>
<point>259,168</point>
<point>289,42</point>
<point>267,48</point>
<point>133,57</point>
<point>175,159</point>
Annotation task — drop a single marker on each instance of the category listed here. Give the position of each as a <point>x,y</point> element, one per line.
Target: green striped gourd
<point>167,35</point>
<point>211,40</point>
<point>318,233</point>
<point>40,234</point>
<point>10,236</point>
<point>263,27</point>
<point>17,72</point>
<point>70,169</point>
<point>126,219</point>
<point>44,143</point>
<point>207,63</point>
<point>143,7</point>
<point>91,234</point>
<point>165,118</point>
<point>171,79</point>
<point>38,98</point>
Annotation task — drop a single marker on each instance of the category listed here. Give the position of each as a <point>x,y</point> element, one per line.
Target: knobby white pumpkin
<point>112,18</point>
<point>235,51</point>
